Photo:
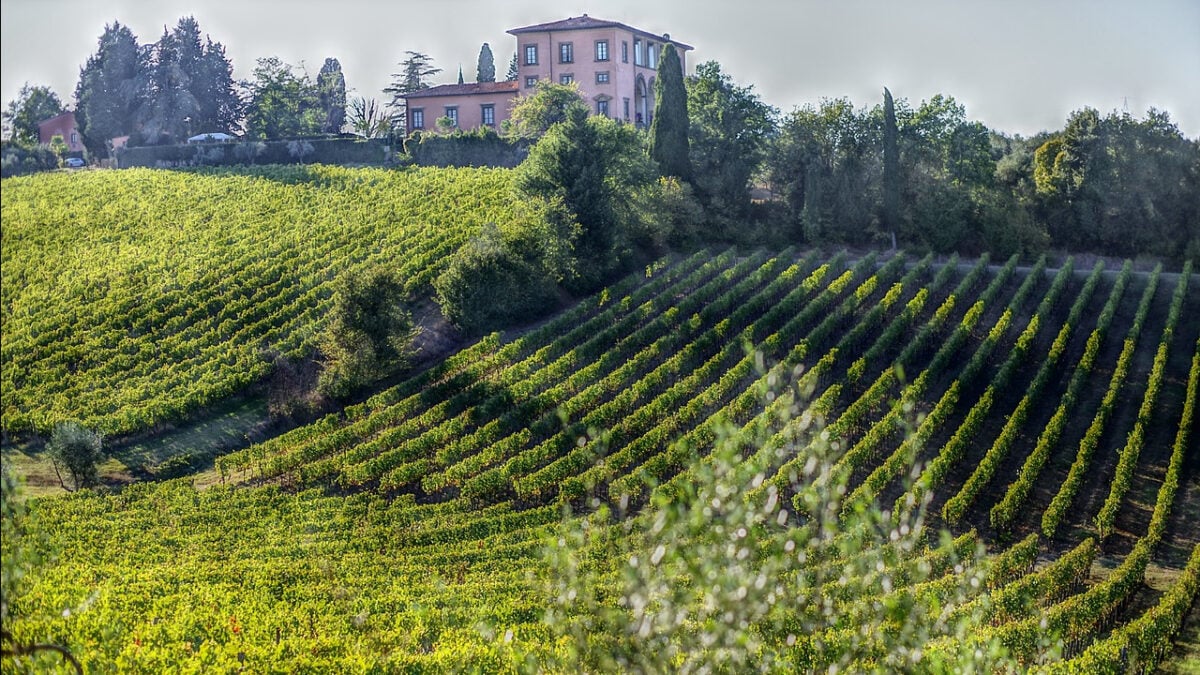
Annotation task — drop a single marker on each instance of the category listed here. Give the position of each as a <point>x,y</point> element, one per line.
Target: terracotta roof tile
<point>585,22</point>
<point>466,89</point>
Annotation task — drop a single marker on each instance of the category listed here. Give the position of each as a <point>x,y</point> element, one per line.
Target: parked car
<point>74,162</point>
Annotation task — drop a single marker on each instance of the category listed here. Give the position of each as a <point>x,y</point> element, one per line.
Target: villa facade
<point>63,125</point>
<point>613,64</point>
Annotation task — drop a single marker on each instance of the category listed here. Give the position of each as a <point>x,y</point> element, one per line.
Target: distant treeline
<point>1110,184</point>
<point>923,177</point>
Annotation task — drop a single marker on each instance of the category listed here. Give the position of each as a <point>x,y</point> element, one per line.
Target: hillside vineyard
<point>1043,413</point>
<point>135,298</point>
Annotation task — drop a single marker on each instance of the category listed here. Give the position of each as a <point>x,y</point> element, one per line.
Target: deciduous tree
<point>550,103</point>
<point>369,331</point>
<point>570,164</point>
<point>33,104</point>
<point>368,118</point>
<point>282,103</point>
<point>728,131</point>
<point>75,450</point>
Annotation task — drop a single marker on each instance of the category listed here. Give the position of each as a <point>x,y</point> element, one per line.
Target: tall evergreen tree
<point>209,77</point>
<point>891,167</point>
<point>512,69</point>
<point>331,92</point>
<point>169,105</point>
<point>669,130</point>
<point>109,91</point>
<point>221,107</point>
<point>486,70</point>
<point>460,75</point>
<point>415,74</point>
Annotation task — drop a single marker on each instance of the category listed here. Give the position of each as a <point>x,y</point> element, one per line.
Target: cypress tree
<point>669,129</point>
<point>891,168</point>
<point>485,71</point>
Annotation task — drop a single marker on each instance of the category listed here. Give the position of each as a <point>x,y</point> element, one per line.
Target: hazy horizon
<point>1019,67</point>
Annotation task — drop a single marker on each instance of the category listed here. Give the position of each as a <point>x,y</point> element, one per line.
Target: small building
<point>470,106</point>
<point>63,125</point>
<point>613,64</point>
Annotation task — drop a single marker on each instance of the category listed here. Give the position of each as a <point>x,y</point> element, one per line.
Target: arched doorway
<point>650,100</point>
<point>640,106</point>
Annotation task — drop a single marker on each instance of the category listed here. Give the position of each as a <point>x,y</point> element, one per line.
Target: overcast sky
<point>1019,66</point>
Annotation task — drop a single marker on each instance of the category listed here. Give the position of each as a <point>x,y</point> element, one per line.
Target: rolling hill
<point>677,468</point>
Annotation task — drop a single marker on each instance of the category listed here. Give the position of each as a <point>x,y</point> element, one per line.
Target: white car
<point>74,162</point>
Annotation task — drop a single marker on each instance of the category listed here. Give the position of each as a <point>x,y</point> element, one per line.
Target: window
<point>602,108</point>
<point>638,60</point>
<point>566,52</point>
<point>418,118</point>
<point>602,77</point>
<point>452,113</point>
<point>487,112</point>
<point>624,51</point>
<point>530,81</point>
<point>74,138</point>
<point>531,55</point>
<point>566,78</point>
<point>601,50</point>
<point>626,110</point>
<point>652,58</point>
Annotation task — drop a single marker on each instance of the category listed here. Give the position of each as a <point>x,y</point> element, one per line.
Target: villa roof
<point>585,22</point>
<point>59,116</point>
<point>466,89</point>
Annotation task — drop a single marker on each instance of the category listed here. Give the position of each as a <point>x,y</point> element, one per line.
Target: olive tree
<point>75,450</point>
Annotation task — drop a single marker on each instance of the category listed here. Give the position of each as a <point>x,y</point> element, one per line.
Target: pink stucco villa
<point>612,63</point>
<point>63,125</point>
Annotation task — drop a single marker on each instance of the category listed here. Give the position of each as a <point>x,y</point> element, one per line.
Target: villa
<point>612,63</point>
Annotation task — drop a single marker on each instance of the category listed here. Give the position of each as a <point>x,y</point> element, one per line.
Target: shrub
<point>369,333</point>
<point>174,466</point>
<point>498,279</point>
<point>664,214</point>
<point>479,147</point>
<point>19,159</point>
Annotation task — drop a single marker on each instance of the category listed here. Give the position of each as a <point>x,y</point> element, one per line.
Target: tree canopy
<point>550,103</point>
<point>110,88</point>
<point>75,451</point>
<point>729,126</point>
<point>33,104</point>
<point>282,103</point>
